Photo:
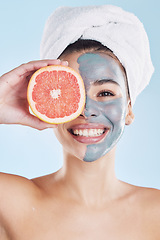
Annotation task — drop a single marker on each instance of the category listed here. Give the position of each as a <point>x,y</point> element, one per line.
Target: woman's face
<point>100,125</point>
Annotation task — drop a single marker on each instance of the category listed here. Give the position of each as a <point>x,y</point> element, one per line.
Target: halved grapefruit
<point>56,94</point>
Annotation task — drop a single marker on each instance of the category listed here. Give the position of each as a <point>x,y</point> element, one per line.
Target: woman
<point>84,199</point>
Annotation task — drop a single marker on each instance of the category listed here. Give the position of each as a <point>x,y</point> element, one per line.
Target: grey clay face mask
<point>111,113</point>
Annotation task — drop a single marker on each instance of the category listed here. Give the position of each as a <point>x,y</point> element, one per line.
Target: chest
<point>68,224</point>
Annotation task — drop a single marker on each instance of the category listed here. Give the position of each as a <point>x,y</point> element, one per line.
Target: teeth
<point>88,132</point>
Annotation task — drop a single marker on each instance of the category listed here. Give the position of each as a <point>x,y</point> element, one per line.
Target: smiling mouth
<point>88,132</point>
<point>88,135</point>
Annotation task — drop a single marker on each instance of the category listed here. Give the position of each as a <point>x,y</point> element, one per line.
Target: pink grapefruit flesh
<point>56,94</point>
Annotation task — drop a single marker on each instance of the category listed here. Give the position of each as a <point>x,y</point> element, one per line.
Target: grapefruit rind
<point>32,104</point>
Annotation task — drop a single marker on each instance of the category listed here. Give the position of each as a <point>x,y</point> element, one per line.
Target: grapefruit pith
<point>56,94</point>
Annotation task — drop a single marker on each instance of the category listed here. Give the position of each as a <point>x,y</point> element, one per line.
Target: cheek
<point>62,135</point>
<point>114,112</point>
<point>69,144</point>
<point>58,134</point>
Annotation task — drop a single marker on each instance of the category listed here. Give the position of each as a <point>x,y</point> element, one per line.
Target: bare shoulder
<point>150,196</point>
<point>16,193</point>
<point>21,204</point>
<point>149,209</point>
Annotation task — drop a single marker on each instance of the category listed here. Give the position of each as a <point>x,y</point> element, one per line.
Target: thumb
<point>34,122</point>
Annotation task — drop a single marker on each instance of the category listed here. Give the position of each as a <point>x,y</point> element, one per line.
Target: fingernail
<point>65,63</point>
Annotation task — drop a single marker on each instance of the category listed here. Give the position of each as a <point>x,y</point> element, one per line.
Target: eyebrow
<point>102,81</point>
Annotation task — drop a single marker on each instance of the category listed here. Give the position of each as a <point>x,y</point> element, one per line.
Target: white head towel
<point>120,31</point>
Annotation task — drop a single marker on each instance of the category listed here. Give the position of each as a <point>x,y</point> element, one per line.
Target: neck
<point>91,183</point>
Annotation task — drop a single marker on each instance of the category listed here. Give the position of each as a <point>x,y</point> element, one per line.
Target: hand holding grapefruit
<point>14,108</point>
<point>56,94</point>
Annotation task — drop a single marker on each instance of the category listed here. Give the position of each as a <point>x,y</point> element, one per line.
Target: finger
<point>34,122</point>
<point>65,63</point>
<point>27,69</point>
<point>33,66</point>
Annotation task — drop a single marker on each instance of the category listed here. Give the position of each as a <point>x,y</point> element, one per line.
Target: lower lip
<point>90,140</point>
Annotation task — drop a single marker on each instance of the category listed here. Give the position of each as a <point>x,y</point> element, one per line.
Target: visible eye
<point>105,93</point>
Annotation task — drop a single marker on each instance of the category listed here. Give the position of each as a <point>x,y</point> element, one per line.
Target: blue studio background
<point>31,153</point>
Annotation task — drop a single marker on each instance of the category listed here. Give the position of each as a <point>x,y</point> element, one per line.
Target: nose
<point>90,109</point>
